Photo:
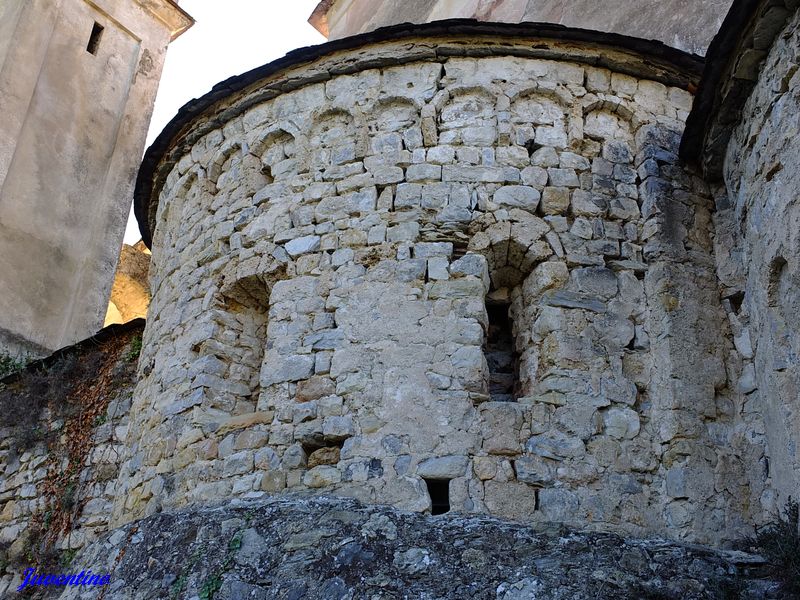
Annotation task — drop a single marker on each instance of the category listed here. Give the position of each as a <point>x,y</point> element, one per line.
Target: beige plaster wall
<point>72,132</point>
<point>685,24</point>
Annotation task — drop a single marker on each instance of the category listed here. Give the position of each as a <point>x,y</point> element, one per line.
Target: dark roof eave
<point>701,144</point>
<point>684,62</point>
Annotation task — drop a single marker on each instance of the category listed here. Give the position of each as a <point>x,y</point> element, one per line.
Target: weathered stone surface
<point>322,548</point>
<point>471,197</point>
<point>446,467</point>
<point>518,196</point>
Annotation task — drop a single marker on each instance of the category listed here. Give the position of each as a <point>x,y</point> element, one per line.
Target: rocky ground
<point>334,549</point>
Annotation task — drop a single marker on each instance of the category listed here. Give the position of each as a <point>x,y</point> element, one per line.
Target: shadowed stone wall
<point>758,250</point>
<point>322,259</point>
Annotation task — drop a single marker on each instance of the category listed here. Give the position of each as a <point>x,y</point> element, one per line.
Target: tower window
<point>439,491</point>
<point>94,38</point>
<point>500,355</point>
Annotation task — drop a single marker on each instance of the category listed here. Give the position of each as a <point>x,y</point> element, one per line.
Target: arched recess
<point>539,118</point>
<point>179,203</point>
<point>233,355</point>
<point>395,114</point>
<point>277,151</point>
<point>512,251</point>
<point>468,117</point>
<point>606,120</point>
<point>333,139</point>
<point>225,163</point>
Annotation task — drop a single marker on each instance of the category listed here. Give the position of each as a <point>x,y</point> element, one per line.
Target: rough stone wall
<point>63,425</point>
<point>321,267</point>
<point>758,256</point>
<point>339,549</point>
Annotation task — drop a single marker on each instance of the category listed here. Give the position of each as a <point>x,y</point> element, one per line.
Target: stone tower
<point>77,84</point>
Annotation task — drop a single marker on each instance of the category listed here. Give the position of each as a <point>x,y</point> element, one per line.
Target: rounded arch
<point>396,113</point>
<point>512,250</point>
<point>223,155</point>
<point>272,135</point>
<point>467,106</point>
<point>612,105</point>
<point>608,121</point>
<point>330,126</point>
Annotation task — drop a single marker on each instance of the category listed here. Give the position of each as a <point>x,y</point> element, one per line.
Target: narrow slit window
<point>439,491</point>
<point>500,354</point>
<point>94,38</point>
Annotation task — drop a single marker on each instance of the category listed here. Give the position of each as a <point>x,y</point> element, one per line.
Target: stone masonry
<point>543,280</point>
<point>758,237</point>
<point>325,246</point>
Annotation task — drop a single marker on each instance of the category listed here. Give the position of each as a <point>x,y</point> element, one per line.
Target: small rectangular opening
<point>439,491</point>
<point>94,38</point>
<point>501,357</point>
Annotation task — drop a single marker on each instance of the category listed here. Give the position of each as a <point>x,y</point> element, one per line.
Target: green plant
<point>177,587</point>
<point>135,349</point>
<point>10,364</point>
<point>67,556</point>
<point>779,543</point>
<point>214,582</point>
<point>210,587</point>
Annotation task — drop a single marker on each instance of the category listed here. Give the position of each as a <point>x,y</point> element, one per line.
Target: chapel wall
<point>758,256</point>
<point>321,268</point>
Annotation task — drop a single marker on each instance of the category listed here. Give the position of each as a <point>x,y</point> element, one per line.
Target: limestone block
<point>324,456</point>
<point>238,463</point>
<point>534,470</point>
<point>517,196</point>
<point>563,177</point>
<point>286,368</point>
<point>471,265</point>
<point>584,204</point>
<point>437,268</point>
<point>509,499</point>
<point>622,423</point>
<point>322,476</point>
<point>446,467</point>
<point>441,155</point>
<point>555,200</point>
<point>314,388</point>
<point>338,428</point>
<point>501,423</point>
<point>250,438</point>
<point>473,174</point>
<point>556,445</point>
<point>294,458</point>
<point>424,172</point>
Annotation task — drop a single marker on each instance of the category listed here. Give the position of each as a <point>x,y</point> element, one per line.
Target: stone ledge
<point>297,547</point>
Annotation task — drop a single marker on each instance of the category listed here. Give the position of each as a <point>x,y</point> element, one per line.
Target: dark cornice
<point>734,62</point>
<point>676,67</point>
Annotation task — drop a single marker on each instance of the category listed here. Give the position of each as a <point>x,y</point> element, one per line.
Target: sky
<point>228,38</point>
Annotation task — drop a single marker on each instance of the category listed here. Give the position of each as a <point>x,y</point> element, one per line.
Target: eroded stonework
<point>758,249</point>
<point>323,260</point>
